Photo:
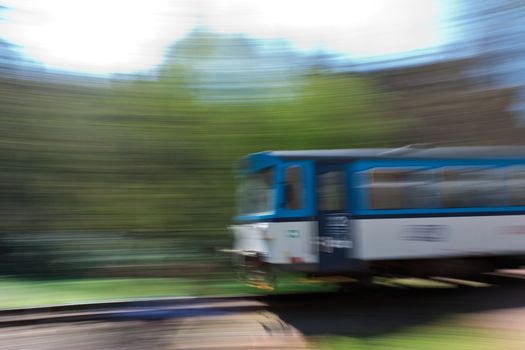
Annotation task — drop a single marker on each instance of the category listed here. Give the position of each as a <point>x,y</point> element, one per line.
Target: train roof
<point>407,152</point>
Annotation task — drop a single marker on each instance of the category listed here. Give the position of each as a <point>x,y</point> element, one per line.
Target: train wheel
<point>255,272</point>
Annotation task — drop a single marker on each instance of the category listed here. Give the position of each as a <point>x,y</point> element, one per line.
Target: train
<point>360,213</point>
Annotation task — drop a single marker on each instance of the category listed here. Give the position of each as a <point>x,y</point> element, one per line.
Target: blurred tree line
<point>157,153</point>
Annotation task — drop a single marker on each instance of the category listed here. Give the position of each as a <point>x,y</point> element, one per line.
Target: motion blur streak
<point>154,152</point>
<point>121,122</point>
<point>157,153</point>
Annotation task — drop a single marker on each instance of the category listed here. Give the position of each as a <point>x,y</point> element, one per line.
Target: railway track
<point>138,309</point>
<point>179,307</point>
<point>254,321</point>
<point>220,323</point>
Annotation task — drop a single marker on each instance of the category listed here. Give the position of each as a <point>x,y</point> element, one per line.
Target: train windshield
<point>257,193</point>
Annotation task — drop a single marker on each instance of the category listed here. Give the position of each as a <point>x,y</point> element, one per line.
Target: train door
<point>335,242</point>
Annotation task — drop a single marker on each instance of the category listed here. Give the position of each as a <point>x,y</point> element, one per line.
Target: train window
<point>385,189</point>
<point>257,192</point>
<point>401,189</point>
<point>516,186</point>
<point>420,189</point>
<point>470,187</point>
<point>294,188</point>
<point>331,191</point>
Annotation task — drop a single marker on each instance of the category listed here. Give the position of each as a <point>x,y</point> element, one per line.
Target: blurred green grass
<point>16,293</point>
<point>28,292</point>
<point>25,293</point>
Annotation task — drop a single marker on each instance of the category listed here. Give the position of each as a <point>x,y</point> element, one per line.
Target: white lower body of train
<point>425,246</point>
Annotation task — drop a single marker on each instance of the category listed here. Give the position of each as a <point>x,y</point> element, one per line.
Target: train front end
<point>271,231</point>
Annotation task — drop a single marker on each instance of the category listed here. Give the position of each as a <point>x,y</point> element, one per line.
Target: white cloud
<point>362,28</point>
<point>96,36</point>
<point>101,36</point>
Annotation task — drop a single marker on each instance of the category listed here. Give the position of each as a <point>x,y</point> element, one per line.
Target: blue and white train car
<point>361,212</point>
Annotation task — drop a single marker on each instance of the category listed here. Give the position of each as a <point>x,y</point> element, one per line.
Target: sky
<point>126,36</point>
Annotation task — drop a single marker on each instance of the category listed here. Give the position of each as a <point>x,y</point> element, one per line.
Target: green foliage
<point>139,153</point>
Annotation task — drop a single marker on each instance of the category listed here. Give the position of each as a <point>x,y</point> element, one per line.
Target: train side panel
<point>439,237</point>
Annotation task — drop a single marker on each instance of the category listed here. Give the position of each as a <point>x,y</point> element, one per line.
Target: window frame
<point>365,185</point>
<point>497,170</point>
<point>307,209</point>
<point>345,191</point>
<point>272,199</point>
<point>299,189</point>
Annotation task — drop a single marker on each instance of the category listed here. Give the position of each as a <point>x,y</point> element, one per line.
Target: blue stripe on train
<point>385,215</point>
